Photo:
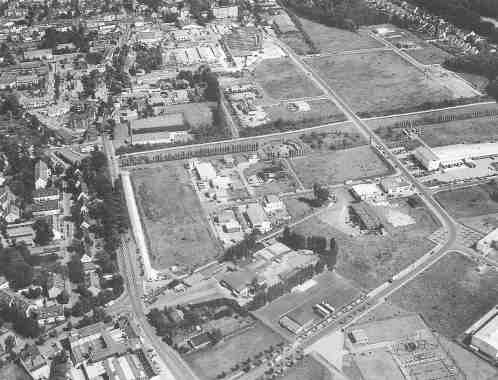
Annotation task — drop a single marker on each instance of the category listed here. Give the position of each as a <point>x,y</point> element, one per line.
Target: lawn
<point>209,362</point>
<point>296,42</point>
<point>469,201</point>
<point>281,79</point>
<point>429,54</point>
<point>451,295</point>
<point>196,114</point>
<point>176,228</point>
<point>370,260</point>
<point>378,82</point>
<point>340,136</point>
<point>462,131</point>
<point>321,111</point>
<point>307,369</point>
<point>337,166</point>
<point>333,40</point>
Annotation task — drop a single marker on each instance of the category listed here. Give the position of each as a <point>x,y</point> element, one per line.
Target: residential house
<point>21,233</point>
<point>42,174</point>
<point>46,194</point>
<point>48,315</point>
<point>18,302</point>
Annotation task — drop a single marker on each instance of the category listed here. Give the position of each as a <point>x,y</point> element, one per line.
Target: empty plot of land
<point>370,260</point>
<point>320,111</point>
<point>429,54</point>
<point>210,362</point>
<point>469,202</point>
<point>378,82</point>
<point>483,223</point>
<point>468,131</point>
<point>281,79</point>
<point>308,368</point>
<point>339,166</point>
<point>176,229</point>
<point>196,114</point>
<point>330,40</point>
<point>451,295</point>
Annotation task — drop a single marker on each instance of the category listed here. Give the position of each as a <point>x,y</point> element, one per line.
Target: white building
<point>427,158</point>
<point>453,155</point>
<point>396,186</point>
<point>485,339</point>
<point>273,203</point>
<point>368,192</point>
<point>205,171</point>
<point>488,243</point>
<point>257,218</point>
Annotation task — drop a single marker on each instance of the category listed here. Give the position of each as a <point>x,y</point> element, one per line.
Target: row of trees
<point>482,64</point>
<point>345,14</point>
<point>318,244</point>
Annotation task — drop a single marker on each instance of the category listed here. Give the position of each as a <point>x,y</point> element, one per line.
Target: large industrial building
<point>484,334</point>
<point>159,130</point>
<point>453,155</point>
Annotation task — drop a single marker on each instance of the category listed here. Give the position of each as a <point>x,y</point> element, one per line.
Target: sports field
<point>281,80</point>
<point>451,295</point>
<point>378,82</point>
<point>176,228</point>
<point>333,40</point>
<point>469,201</point>
<point>336,166</point>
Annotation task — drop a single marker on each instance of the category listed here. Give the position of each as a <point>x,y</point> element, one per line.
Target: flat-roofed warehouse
<point>485,335</point>
<point>160,129</point>
<point>365,216</point>
<point>452,155</point>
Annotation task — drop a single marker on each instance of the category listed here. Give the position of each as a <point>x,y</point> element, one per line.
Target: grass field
<point>378,82</point>
<point>322,111</point>
<point>333,288</point>
<point>296,42</point>
<point>370,260</point>
<point>461,131</point>
<point>209,362</point>
<point>332,40</point>
<point>451,295</point>
<point>341,136</point>
<point>429,54</point>
<point>307,369</point>
<point>281,79</point>
<point>469,202</point>
<point>176,229</point>
<point>196,114</point>
<point>338,166</point>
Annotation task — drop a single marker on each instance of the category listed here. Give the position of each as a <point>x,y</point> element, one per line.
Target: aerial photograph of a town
<point>249,189</point>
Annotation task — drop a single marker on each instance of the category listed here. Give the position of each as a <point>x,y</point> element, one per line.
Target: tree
<point>321,193</point>
<point>10,343</point>
<point>75,269</point>
<point>63,297</point>
<point>43,232</point>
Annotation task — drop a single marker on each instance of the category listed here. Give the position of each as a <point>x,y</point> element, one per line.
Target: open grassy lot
<point>451,295</point>
<point>462,131</point>
<point>469,202</point>
<point>378,82</point>
<point>340,136</point>
<point>330,286</point>
<point>370,260</point>
<point>339,166</point>
<point>307,369</point>
<point>209,362</point>
<point>332,40</point>
<point>196,114</point>
<point>281,79</point>
<point>321,111</point>
<point>429,54</point>
<point>176,229</point>
<point>296,42</point>
<point>482,223</point>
